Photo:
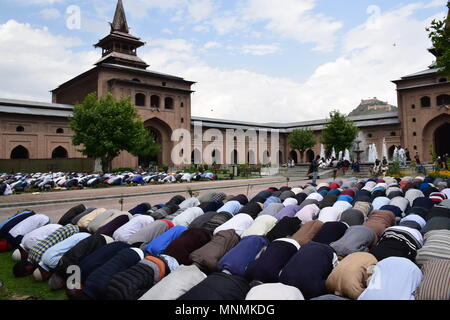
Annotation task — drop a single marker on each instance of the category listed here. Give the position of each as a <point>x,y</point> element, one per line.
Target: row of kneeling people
<point>354,239</point>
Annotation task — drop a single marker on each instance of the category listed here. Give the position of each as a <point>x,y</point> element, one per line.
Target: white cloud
<point>50,13</point>
<point>367,63</point>
<point>166,31</point>
<point>200,9</point>
<point>365,68</point>
<point>294,19</point>
<point>227,24</point>
<point>39,2</point>
<point>260,49</point>
<point>211,44</point>
<point>140,8</point>
<point>178,45</point>
<point>39,64</point>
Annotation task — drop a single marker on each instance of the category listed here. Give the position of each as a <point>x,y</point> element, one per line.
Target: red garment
<point>334,185</point>
<point>4,246</point>
<point>348,192</point>
<point>169,223</point>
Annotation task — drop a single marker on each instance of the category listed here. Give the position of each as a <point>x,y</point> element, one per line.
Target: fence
<point>46,165</point>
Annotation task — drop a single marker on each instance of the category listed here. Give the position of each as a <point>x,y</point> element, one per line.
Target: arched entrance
<point>309,155</point>
<point>234,157</point>
<point>293,156</point>
<point>251,157</point>
<point>162,134</point>
<point>435,134</point>
<point>441,139</point>
<point>59,153</point>
<point>20,152</point>
<point>196,156</point>
<point>391,152</point>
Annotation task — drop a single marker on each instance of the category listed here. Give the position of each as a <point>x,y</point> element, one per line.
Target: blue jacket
<point>160,244</point>
<point>238,258</point>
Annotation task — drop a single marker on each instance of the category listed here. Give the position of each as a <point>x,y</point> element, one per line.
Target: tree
<point>105,127</point>
<point>301,140</point>
<point>339,132</point>
<point>439,33</point>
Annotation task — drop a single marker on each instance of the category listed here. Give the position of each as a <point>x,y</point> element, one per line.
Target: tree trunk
<point>302,156</point>
<point>106,164</point>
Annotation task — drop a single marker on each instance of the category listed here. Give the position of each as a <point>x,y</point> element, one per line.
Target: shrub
<point>120,170</point>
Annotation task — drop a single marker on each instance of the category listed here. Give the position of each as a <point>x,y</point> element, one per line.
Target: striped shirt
<point>435,284</point>
<point>437,246</point>
<point>36,252</point>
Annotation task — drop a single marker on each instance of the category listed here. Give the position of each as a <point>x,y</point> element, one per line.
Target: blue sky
<point>245,54</point>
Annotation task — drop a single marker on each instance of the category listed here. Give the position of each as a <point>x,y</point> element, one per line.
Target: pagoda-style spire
<point>120,20</point>
<point>120,47</point>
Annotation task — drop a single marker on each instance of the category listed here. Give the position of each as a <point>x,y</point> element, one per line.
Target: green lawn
<point>21,288</point>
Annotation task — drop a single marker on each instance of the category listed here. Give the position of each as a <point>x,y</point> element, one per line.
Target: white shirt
<point>134,225</point>
<point>8,190</point>
<point>29,224</point>
<point>32,238</point>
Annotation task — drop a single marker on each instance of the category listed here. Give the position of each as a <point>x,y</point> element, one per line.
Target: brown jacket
<point>307,231</point>
<point>379,220</point>
<point>349,278</point>
<point>207,257</point>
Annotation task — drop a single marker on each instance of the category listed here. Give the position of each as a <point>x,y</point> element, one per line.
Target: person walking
<point>314,169</point>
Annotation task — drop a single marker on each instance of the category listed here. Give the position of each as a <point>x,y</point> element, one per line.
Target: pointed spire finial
<point>120,20</point>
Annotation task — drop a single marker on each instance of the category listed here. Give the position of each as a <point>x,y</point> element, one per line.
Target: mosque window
<point>413,106</point>
<point>168,103</point>
<point>425,102</point>
<point>393,134</point>
<point>443,80</point>
<point>415,147</point>
<point>20,129</point>
<point>415,134</point>
<point>155,101</point>
<point>60,130</point>
<point>140,100</point>
<point>414,120</point>
<point>369,135</point>
<point>136,80</point>
<point>443,99</point>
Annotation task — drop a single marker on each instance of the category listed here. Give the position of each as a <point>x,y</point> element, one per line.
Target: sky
<point>253,60</point>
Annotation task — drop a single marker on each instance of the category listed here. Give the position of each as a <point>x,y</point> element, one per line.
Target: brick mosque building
<point>36,130</point>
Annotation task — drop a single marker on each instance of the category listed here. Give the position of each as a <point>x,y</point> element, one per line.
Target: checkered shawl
<point>35,254</point>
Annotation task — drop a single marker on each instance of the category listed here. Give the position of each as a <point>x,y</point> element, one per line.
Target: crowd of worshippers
<point>20,182</point>
<point>368,239</point>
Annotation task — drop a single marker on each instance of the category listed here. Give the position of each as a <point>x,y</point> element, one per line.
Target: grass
<point>21,288</point>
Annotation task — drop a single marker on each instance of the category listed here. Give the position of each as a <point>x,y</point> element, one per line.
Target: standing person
<point>376,168</point>
<point>402,155</point>
<point>314,169</point>
<point>345,166</point>
<point>420,167</point>
<point>334,164</point>
<point>356,166</point>
<point>384,167</point>
<point>408,157</point>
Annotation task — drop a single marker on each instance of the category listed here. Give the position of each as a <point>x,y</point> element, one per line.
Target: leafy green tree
<point>105,127</point>
<point>302,140</point>
<point>439,33</point>
<point>339,132</point>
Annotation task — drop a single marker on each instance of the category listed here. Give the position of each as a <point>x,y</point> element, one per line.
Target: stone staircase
<point>300,171</point>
